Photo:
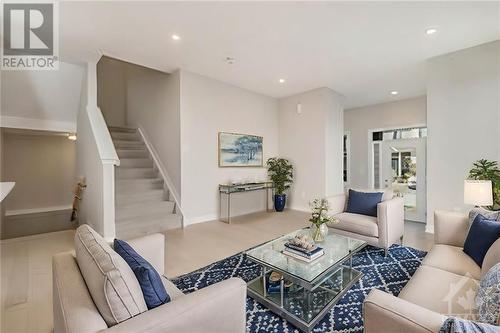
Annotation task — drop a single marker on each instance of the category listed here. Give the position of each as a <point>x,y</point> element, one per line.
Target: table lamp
<point>478,192</point>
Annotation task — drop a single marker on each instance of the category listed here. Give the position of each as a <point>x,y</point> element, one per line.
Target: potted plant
<point>281,173</point>
<point>319,218</point>
<point>488,170</point>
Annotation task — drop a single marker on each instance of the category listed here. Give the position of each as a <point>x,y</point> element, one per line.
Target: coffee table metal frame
<point>261,296</point>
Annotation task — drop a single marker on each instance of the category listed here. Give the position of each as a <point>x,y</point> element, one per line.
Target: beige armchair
<point>381,231</point>
<point>446,277</point>
<point>217,308</point>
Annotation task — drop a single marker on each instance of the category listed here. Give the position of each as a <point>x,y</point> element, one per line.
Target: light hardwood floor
<point>26,272</point>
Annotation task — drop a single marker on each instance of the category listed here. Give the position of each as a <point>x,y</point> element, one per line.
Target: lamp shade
<point>478,192</point>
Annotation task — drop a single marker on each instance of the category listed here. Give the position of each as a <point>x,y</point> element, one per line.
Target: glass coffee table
<point>306,290</point>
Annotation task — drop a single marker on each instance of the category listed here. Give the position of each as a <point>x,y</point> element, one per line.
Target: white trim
<point>37,124</point>
<point>15,212</point>
<point>163,171</point>
<point>105,146</point>
<point>108,202</point>
<point>201,219</point>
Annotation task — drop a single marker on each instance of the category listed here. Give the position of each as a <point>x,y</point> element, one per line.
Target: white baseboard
<point>200,219</point>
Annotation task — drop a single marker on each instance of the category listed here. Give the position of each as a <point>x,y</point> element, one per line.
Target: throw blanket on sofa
<point>457,325</point>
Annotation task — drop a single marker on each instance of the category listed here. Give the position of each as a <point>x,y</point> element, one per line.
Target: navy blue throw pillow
<point>482,234</point>
<point>364,203</point>
<point>150,281</point>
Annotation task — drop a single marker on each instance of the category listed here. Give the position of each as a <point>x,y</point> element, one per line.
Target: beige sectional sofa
<point>381,231</point>
<point>444,285</point>
<point>217,308</point>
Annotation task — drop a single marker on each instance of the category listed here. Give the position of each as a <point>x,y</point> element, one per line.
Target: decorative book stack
<point>301,248</point>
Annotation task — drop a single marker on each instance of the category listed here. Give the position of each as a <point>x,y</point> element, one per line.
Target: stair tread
<point>131,222</point>
<point>139,193</point>
<point>138,180</point>
<point>146,230</point>
<point>156,209</point>
<point>123,129</point>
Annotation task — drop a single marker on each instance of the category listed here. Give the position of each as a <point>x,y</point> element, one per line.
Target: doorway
<point>403,169</point>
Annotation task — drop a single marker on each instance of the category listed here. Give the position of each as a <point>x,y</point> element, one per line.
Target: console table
<point>225,190</point>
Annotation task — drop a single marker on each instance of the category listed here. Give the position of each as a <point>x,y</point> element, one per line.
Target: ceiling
<point>362,50</point>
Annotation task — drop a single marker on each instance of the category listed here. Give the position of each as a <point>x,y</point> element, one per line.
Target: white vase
<point>319,234</point>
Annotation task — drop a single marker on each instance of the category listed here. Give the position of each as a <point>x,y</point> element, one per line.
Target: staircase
<point>142,201</point>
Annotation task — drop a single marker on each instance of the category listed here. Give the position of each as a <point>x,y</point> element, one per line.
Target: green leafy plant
<point>281,173</point>
<point>488,170</point>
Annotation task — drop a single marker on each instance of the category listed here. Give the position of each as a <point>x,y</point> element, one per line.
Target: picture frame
<point>236,150</point>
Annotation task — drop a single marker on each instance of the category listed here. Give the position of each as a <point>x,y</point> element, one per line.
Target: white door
<point>403,169</point>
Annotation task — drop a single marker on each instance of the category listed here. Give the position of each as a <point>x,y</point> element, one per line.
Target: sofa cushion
<point>150,281</point>
<point>452,259</point>
<point>441,291</point>
<point>491,258</point>
<point>364,203</point>
<point>356,223</point>
<point>110,281</point>
<point>488,296</point>
<point>482,234</point>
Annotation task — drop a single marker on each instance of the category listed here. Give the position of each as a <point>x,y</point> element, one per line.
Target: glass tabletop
<point>337,249</point>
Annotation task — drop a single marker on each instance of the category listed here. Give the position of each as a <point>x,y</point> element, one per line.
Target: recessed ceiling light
<point>282,80</point>
<point>430,31</point>
<point>394,92</point>
<point>176,37</point>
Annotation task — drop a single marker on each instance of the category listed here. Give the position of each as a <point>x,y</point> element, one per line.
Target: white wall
<point>208,107</point>
<point>463,120</point>
<point>112,90</point>
<point>312,141</point>
<point>136,96</point>
<point>95,159</point>
<point>43,167</point>
<point>153,104</point>
<point>41,100</point>
<point>359,121</point>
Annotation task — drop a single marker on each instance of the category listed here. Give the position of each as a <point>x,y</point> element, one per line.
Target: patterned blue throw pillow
<point>150,281</point>
<point>488,296</point>
<point>364,203</point>
<point>482,234</point>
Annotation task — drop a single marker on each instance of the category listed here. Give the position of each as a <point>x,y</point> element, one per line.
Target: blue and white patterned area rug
<point>388,274</point>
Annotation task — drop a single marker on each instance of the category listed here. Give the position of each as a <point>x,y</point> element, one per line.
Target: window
<point>400,133</point>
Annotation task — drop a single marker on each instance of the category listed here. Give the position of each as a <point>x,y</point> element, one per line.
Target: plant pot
<point>318,234</point>
<point>279,202</point>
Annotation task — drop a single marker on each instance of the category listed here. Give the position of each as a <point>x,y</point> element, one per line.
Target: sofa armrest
<point>383,312</point>
<point>151,248</point>
<point>391,219</point>
<point>73,307</point>
<point>217,308</point>
<point>450,228</point>
<point>337,203</point>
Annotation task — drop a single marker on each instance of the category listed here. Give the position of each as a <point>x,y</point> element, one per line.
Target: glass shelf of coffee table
<point>315,287</point>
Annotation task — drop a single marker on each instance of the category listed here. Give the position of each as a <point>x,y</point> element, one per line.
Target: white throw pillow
<point>110,281</point>
<point>488,296</point>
